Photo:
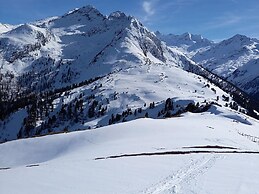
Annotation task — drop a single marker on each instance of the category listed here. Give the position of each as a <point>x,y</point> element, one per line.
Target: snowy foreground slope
<point>169,159</point>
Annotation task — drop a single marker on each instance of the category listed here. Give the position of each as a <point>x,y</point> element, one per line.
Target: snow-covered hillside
<point>212,152</point>
<point>131,89</point>
<point>235,59</point>
<point>188,43</point>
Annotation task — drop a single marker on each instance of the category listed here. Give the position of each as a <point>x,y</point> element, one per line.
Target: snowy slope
<point>68,163</point>
<point>235,59</point>
<point>188,43</point>
<point>132,88</point>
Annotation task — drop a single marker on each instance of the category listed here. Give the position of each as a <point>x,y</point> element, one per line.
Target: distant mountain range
<point>187,43</point>
<point>234,59</point>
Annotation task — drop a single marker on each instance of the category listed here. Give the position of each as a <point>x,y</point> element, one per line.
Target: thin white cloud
<point>224,21</point>
<point>148,7</point>
<point>234,19</point>
<point>155,9</point>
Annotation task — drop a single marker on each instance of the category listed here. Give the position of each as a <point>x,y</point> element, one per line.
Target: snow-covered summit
<point>19,42</point>
<point>234,45</point>
<point>88,10</point>
<point>117,14</point>
<point>188,39</point>
<point>188,43</point>
<point>25,31</point>
<point>5,28</point>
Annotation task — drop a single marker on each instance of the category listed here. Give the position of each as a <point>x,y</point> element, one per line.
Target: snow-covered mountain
<point>187,43</point>
<point>71,46</point>
<point>84,70</point>
<point>235,59</point>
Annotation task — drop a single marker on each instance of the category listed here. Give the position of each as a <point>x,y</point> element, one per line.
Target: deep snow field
<point>68,163</point>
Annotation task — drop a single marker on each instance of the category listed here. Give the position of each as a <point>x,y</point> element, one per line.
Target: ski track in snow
<point>182,177</point>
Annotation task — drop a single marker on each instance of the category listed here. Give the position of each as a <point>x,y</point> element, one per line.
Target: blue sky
<point>214,19</point>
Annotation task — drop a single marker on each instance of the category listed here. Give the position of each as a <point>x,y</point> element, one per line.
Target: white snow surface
<point>66,163</point>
